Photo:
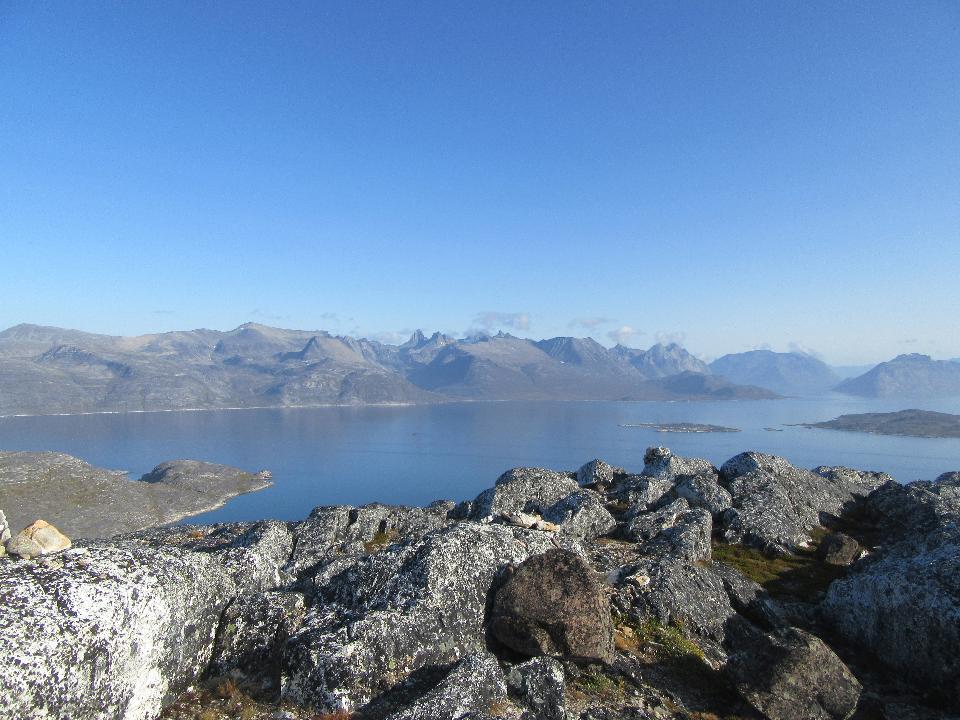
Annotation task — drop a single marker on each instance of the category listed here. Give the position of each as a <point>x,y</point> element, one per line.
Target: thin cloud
<point>491,320</point>
<point>666,338</point>
<point>798,347</point>
<point>624,334</point>
<point>589,323</point>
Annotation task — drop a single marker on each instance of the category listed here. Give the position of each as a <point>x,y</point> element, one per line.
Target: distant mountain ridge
<point>54,370</point>
<point>912,375</point>
<point>789,373</point>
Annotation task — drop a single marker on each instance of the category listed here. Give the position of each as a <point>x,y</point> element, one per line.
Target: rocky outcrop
<point>471,611</point>
<point>554,604</point>
<point>776,505</point>
<point>412,605</point>
<point>903,602</point>
<point>556,497</point>
<point>115,632</point>
<point>793,675</point>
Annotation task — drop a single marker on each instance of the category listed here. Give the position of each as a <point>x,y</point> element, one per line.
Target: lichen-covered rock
<point>704,491</point>
<point>553,495</point>
<point>660,463</point>
<point>581,514</point>
<point>903,602</point>
<point>597,472</point>
<point>473,685</point>
<point>776,505</point>
<point>554,604</point>
<point>253,553</point>
<point>678,593</point>
<point>253,632</point>
<point>412,605</point>
<point>641,524</point>
<point>641,492</point>
<point>838,549</point>
<point>37,538</point>
<point>332,532</point>
<point>793,675</point>
<point>524,490</point>
<point>688,538</point>
<point>539,685</point>
<point>113,633</point>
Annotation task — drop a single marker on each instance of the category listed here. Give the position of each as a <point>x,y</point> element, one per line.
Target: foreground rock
<point>554,604</point>
<point>436,612</point>
<point>793,675</point>
<point>116,632</point>
<point>410,606</point>
<point>776,505</point>
<point>89,502</point>
<point>903,603</point>
<point>36,539</point>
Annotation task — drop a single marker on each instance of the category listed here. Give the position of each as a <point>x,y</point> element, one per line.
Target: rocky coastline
<point>752,590</point>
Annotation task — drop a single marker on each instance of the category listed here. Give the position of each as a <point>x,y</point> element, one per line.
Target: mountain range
<point>52,370</point>
<point>46,370</point>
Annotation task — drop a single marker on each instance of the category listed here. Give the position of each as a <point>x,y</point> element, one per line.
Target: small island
<point>912,423</point>
<point>682,427</point>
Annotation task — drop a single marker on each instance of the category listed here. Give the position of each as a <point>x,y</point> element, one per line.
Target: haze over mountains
<point>53,370</point>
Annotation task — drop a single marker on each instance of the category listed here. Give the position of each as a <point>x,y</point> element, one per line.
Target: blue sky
<point>732,174</point>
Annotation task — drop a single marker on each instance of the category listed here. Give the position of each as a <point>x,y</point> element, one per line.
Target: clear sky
<point>733,174</point>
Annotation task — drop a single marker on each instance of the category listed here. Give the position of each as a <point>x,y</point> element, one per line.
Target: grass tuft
<point>380,540</point>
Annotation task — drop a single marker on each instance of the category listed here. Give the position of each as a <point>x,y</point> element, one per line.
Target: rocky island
<point>752,590</point>
<point>913,423</point>
<point>88,502</point>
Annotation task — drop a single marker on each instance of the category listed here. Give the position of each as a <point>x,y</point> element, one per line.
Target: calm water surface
<point>413,455</point>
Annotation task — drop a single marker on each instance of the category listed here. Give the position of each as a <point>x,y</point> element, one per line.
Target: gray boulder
<point>555,496</point>
<point>334,531</point>
<point>793,675</point>
<point>251,553</point>
<point>689,538</point>
<point>539,685</point>
<point>597,472</point>
<point>529,490</point>
<point>661,464</point>
<point>415,604</point>
<point>704,491</point>
<point>776,505</point>
<point>581,514</point>
<point>902,603</point>
<point>554,604</point>
<point>642,492</point>
<point>838,549</point>
<point>473,685</point>
<point>117,631</point>
<point>640,524</point>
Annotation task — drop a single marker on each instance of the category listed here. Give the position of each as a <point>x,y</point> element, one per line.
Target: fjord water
<point>416,454</point>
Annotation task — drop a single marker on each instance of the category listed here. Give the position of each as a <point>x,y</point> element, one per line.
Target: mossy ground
<point>800,575</point>
<point>651,636</point>
<point>380,540</point>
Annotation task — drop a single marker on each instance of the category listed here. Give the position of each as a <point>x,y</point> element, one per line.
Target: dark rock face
<point>411,605</point>
<point>117,631</point>
<point>839,549</point>
<point>539,685</point>
<point>472,686</point>
<point>554,604</point>
<point>775,505</point>
<point>903,602</point>
<point>793,675</point>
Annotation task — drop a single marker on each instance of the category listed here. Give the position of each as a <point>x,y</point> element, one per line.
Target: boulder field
<point>752,590</point>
